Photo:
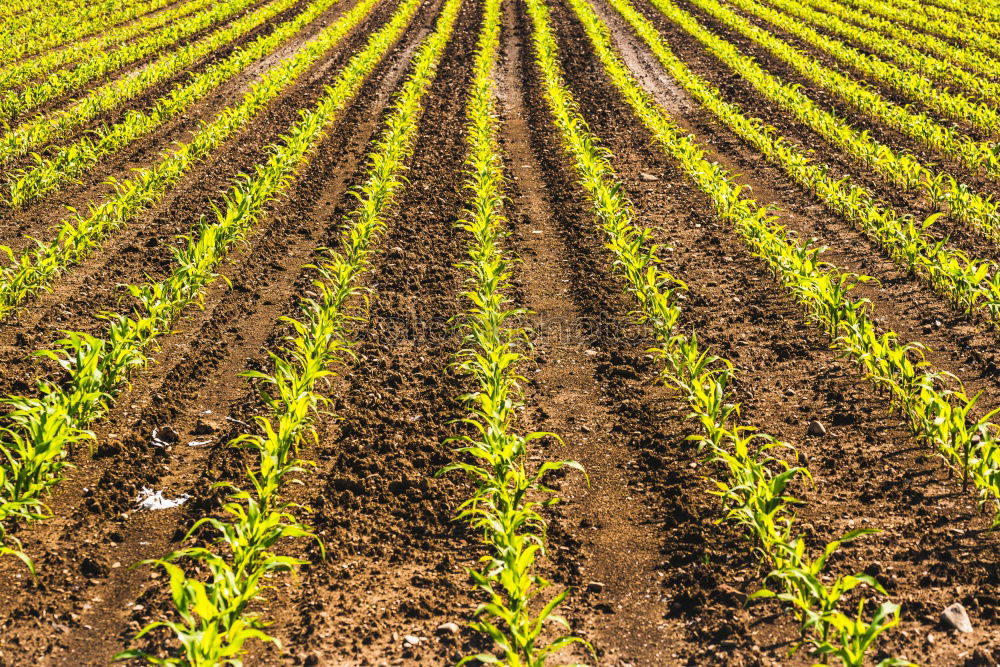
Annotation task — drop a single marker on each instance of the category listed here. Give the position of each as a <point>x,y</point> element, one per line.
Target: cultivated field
<point>531,332</point>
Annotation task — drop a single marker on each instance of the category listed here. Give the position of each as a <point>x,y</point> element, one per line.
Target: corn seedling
<point>504,506</point>
<point>754,492</point>
<point>98,367</point>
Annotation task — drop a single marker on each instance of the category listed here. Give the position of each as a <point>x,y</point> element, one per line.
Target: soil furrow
<point>605,544</point>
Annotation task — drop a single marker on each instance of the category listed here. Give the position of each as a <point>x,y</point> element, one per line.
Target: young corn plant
<point>215,621</point>
<point>97,368</point>
<point>754,490</point>
<point>505,506</point>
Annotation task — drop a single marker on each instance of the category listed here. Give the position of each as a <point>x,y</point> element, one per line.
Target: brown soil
<point>655,579</point>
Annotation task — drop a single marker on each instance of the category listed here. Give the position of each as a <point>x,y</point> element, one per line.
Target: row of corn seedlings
<point>237,572</point>
<point>913,60</point>
<point>35,133</point>
<point>973,60</point>
<point>80,234</point>
<point>754,473</point>
<point>31,68</point>
<point>505,505</point>
<point>55,29</point>
<point>970,284</point>
<point>38,23</point>
<point>97,368</point>
<point>910,77</point>
<point>980,34</point>
<point>69,162</point>
<point>919,126</point>
<point>16,103</point>
<point>935,404</point>
<point>955,10</point>
<point>902,169</point>
<point>17,12</point>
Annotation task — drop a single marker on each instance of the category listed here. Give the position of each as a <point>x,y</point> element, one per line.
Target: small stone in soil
<point>816,429</point>
<point>955,616</point>
<point>448,629</point>
<point>595,587</point>
<point>647,178</point>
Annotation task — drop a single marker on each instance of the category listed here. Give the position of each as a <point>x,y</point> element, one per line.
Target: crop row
<point>969,58</point>
<point>25,70</point>
<point>97,368</point>
<point>900,168</point>
<point>210,634</point>
<point>69,162</point>
<point>34,134</point>
<point>504,506</point>
<point>937,409</point>
<point>16,12</point>
<point>41,23</point>
<point>913,65</point>
<point>910,122</point>
<point>755,477</point>
<point>954,11</point>
<point>15,103</point>
<point>80,234</point>
<point>55,29</point>
<point>971,284</point>
<point>980,34</point>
